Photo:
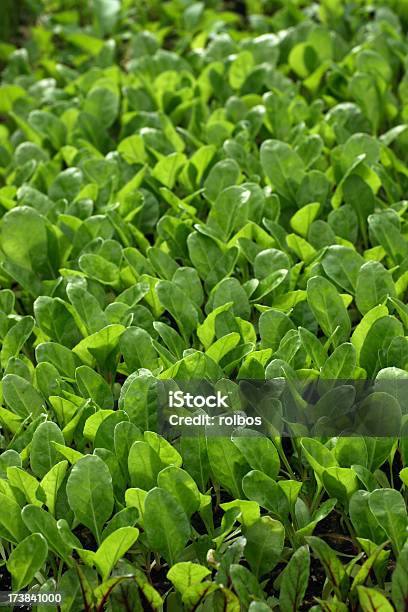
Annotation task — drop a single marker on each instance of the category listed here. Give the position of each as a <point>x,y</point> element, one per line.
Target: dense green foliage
<point>199,190</point>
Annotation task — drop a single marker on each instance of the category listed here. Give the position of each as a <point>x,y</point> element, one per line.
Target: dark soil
<point>5,585</point>
<point>331,530</point>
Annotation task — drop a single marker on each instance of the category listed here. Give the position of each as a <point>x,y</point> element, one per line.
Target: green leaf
<point>227,463</point>
<point>9,94</point>
<point>106,13</point>
<point>49,126</point>
<point>374,286</point>
<point>245,584</point>
<point>240,68</point>
<point>230,290</point>
<point>259,452</point>
<point>363,520</point>
<point>372,600</point>
<point>127,517</point>
<point>181,485</point>
<point>132,149</point>
<point>26,559</point>
<point>181,308</point>
<point>273,325</point>
<point>67,184</point>
<point>295,578</point>
<point>223,346</point>
<point>137,348</point>
<point>24,482</point>
<point>229,211</point>
<point>222,175</point>
<point>100,346</point>
<point>359,195</point>
<point>64,360</point>
<point>340,365</point>
<point>21,397</point>
<point>333,568</point>
<point>377,342</point>
<point>144,465</point>
<point>93,385</point>
<point>24,239</point>
<point>185,574</point>
<point>15,339</point>
<point>206,331</point>
<point>342,265</point>
<point>189,281</point>
<point>195,459</point>
<point>12,527</point>
<point>43,455</point>
<point>388,508</point>
<point>114,546</point>
<point>99,268</point>
<point>368,320</point>
<point>167,169</point>
<point>38,520</point>
<point>313,347</point>
<point>89,492</point>
<point>265,538</point>
<point>399,581</point>
<point>105,433</point>
<point>166,524</point>
<point>328,309</point>
<point>304,217</point>
<point>167,453</point>
<point>387,233</point>
<point>87,307</point>
<point>266,492</point>
<point>283,167</point>
<point>340,483</point>
<point>318,455</point>
<point>52,482</point>
<point>102,99</point>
